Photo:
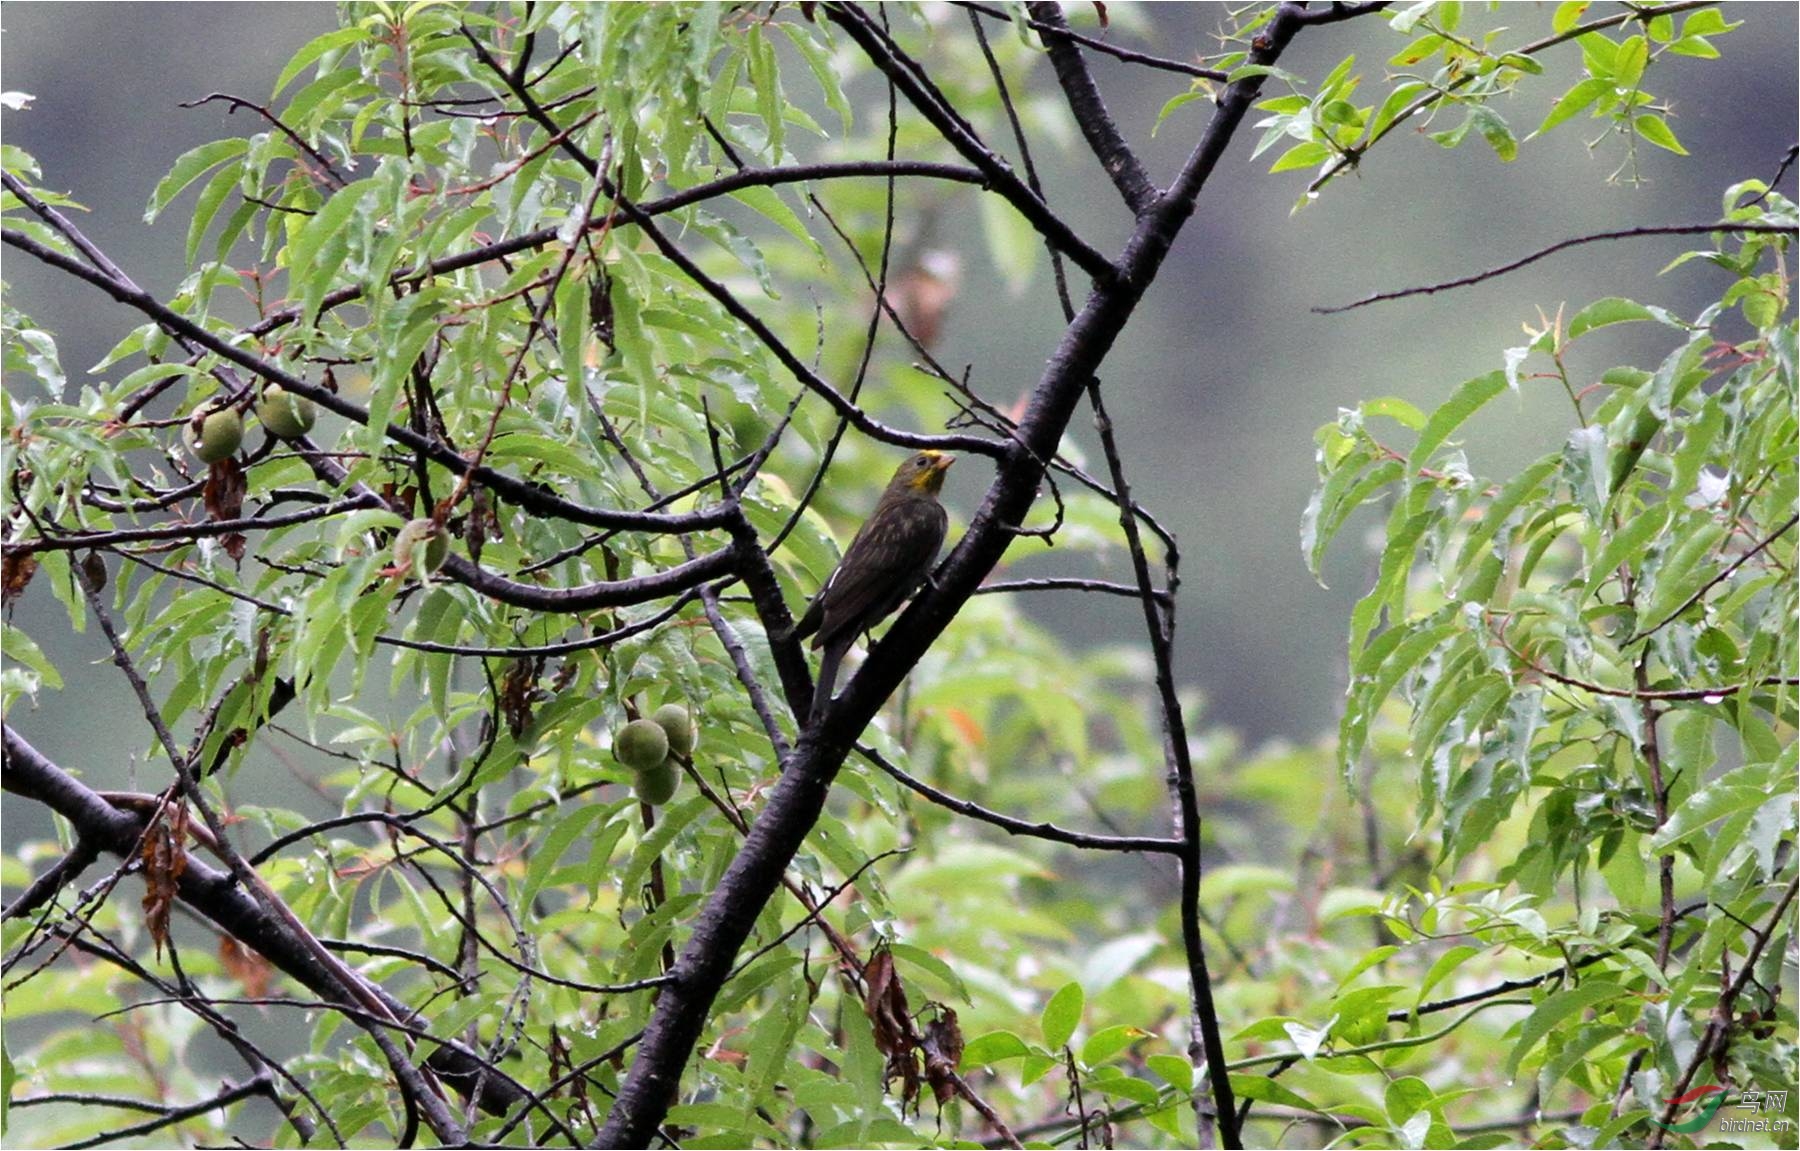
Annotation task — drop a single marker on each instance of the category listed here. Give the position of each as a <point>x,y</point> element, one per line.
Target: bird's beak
<point>943,462</point>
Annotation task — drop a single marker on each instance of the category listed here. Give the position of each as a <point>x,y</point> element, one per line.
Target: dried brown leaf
<point>250,969</point>
<point>16,570</point>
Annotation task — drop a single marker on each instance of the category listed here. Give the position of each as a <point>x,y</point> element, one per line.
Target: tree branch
<point>214,894</point>
<point>1574,242</point>
<point>517,491</point>
<point>1012,826</point>
<point>798,796</point>
<point>1128,55</point>
<point>1001,178</point>
<point>1091,116</point>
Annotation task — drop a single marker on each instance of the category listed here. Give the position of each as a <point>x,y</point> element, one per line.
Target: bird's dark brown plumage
<point>886,562</point>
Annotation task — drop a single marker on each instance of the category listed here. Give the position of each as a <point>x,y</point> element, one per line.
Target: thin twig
<point>1573,242</point>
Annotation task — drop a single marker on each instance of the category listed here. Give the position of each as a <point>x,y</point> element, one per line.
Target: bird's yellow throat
<point>932,478</point>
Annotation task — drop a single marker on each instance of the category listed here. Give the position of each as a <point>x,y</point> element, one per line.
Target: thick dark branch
<point>1091,116</point>
<point>1332,13</point>
<point>214,894</point>
<point>587,597</point>
<point>1001,178</point>
<point>1573,242</point>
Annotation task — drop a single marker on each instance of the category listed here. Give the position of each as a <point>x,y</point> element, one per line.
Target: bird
<point>887,561</point>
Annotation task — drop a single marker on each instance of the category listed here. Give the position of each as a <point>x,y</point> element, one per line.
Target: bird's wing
<point>883,564</point>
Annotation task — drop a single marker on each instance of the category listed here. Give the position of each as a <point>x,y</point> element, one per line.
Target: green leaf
<point>1061,1015</point>
<point>206,206</point>
<point>773,1034</point>
<point>1108,1042</point>
<point>20,648</point>
<point>1175,103</point>
<point>1396,102</point>
<point>1573,101</point>
<point>1301,156</point>
<point>818,58</point>
<point>553,844</point>
<point>1626,873</point>
<point>1626,546</point>
<point>328,225</point>
<point>190,166</point>
<point>315,48</point>
<point>1552,1011</point>
<point>769,203</point>
<point>1655,130</point>
<point>1424,48</point>
<point>1698,47</point>
<point>572,331</point>
<point>994,1047</point>
<point>9,1075</point>
<point>1599,54</point>
<point>1446,963</point>
<point>1265,1090</point>
<point>1707,22</point>
<point>930,964</point>
<point>1249,70</point>
<point>1493,129</point>
<point>1612,310</point>
<point>1743,789</point>
<point>1406,1097</point>
<point>1174,1070</point>
<point>1468,399</point>
<point>1628,64</point>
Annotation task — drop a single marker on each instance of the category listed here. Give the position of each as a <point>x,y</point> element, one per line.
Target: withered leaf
<point>224,491</point>
<point>943,1047</point>
<point>518,692</point>
<point>16,571</point>
<point>895,1036</point>
<point>250,969</point>
<point>165,858</point>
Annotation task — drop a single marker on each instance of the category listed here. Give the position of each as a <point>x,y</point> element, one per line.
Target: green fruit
<point>641,745</point>
<point>216,436</point>
<point>421,545</point>
<point>285,415</point>
<point>673,718</point>
<point>658,785</point>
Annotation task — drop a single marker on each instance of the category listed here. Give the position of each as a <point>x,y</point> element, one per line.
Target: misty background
<point>1221,378</point>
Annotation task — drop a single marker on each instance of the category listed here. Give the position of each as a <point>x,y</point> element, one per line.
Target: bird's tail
<point>828,669</point>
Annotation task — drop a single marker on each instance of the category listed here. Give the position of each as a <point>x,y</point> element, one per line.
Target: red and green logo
<point>1709,1099</point>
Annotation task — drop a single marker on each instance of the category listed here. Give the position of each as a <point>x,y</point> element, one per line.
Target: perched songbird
<point>886,562</point>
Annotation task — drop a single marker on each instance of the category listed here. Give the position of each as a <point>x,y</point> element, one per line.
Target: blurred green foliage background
<point>1229,370</point>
